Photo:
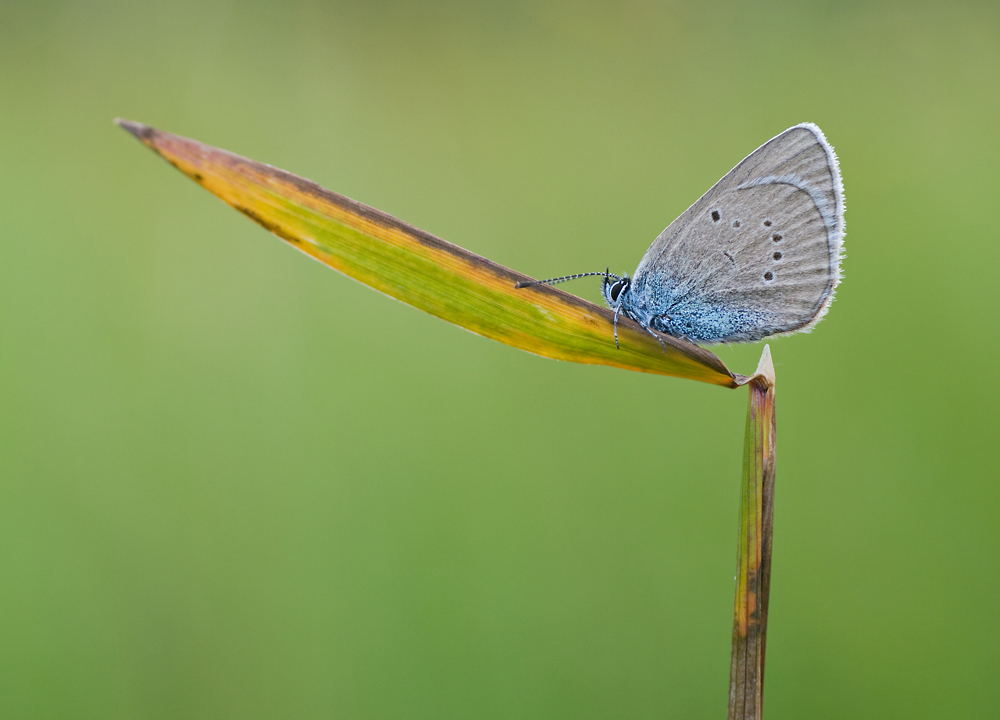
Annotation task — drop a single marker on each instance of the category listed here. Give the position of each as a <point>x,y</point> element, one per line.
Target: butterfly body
<point>668,307</point>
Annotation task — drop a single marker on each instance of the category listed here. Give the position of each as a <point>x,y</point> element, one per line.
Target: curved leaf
<point>424,271</point>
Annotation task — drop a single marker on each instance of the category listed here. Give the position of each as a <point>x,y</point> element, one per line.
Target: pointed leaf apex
<point>142,132</point>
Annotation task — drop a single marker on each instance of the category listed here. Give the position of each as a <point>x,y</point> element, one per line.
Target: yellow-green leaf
<point>427,272</point>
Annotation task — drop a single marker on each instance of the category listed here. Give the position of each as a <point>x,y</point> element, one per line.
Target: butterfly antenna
<point>564,278</point>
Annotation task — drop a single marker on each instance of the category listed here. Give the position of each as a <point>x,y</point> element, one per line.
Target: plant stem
<point>753,578</point>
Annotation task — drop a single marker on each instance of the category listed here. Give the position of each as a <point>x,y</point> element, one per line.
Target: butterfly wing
<point>759,253</point>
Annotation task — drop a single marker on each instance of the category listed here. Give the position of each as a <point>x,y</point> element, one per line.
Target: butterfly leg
<point>617,310</point>
<point>658,338</point>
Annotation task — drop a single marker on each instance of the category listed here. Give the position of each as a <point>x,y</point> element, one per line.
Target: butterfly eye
<point>616,290</point>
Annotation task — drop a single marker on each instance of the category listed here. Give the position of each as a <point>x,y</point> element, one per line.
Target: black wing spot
<point>767,223</point>
<point>736,223</point>
<point>776,237</point>
<point>768,276</point>
<point>777,256</point>
<point>716,216</point>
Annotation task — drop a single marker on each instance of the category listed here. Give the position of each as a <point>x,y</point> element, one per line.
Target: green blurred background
<point>236,484</point>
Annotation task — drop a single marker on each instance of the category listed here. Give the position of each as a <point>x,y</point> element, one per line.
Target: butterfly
<point>757,255</point>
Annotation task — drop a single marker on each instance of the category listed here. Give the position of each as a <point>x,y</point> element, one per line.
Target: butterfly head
<point>615,289</point>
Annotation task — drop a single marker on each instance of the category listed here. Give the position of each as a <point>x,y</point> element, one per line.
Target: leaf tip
<point>143,133</point>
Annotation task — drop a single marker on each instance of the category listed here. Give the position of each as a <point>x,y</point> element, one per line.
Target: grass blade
<point>424,271</point>
<point>753,577</point>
